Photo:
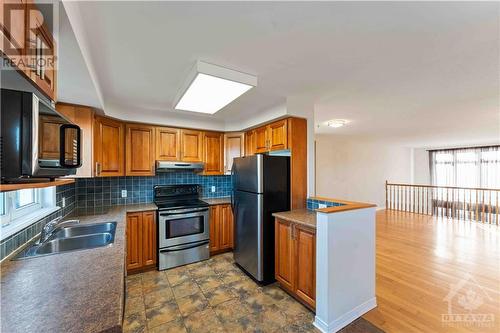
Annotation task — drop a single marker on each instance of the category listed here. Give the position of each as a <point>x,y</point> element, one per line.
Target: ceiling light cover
<point>336,123</point>
<point>212,88</point>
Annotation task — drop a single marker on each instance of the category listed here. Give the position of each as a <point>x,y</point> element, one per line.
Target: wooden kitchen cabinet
<point>221,228</point>
<point>295,260</point>
<point>277,135</point>
<point>261,140</point>
<point>140,150</point>
<point>250,143</point>
<point>28,43</point>
<point>141,241</point>
<point>40,52</point>
<point>191,146</point>
<point>213,153</point>
<point>234,146</point>
<point>168,147</point>
<point>83,116</point>
<point>109,147</point>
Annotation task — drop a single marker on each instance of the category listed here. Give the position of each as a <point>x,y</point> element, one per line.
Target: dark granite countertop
<point>81,291</point>
<point>300,216</point>
<point>217,201</point>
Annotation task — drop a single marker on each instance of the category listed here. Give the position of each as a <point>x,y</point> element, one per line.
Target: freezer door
<point>248,233</point>
<point>248,174</point>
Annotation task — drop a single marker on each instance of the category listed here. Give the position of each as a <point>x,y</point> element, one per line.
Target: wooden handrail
<point>450,187</point>
<point>463,203</point>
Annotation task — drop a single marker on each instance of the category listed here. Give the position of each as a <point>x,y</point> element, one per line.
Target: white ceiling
<point>423,73</point>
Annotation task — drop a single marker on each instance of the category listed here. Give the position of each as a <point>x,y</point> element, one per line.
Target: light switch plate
<point>213,189</point>
<point>63,202</point>
<point>124,193</point>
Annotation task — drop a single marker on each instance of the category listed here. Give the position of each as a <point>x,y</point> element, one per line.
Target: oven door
<point>183,226</point>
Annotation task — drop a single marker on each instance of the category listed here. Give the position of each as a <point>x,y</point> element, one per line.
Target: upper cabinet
<point>270,137</point>
<point>191,145</point>
<point>168,147</point>
<point>277,135</point>
<point>234,146</point>
<point>213,153</point>
<point>28,43</point>
<point>82,116</point>
<point>250,143</point>
<point>140,150</point>
<point>291,134</point>
<point>109,147</point>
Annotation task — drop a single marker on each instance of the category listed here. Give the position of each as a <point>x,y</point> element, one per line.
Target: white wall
<point>421,172</point>
<point>351,169</point>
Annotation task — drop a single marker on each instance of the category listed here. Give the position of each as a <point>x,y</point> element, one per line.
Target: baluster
<point>483,207</point>
<point>496,209</point>
<point>489,208</point>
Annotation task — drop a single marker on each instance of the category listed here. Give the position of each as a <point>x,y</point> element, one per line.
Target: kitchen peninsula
<point>326,259</point>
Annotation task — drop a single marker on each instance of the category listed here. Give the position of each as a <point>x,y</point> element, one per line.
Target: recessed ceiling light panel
<point>336,123</point>
<point>210,88</point>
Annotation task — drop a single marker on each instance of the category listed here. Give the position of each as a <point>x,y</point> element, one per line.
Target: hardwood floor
<point>419,257</point>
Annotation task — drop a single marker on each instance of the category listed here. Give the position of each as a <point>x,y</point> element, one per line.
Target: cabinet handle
<point>97,168</point>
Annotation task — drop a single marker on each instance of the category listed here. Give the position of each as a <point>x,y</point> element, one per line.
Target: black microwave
<point>35,140</point>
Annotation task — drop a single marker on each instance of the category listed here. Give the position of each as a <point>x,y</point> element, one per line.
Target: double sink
<point>72,238</point>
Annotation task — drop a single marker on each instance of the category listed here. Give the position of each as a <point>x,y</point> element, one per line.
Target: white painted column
<point>345,267</point>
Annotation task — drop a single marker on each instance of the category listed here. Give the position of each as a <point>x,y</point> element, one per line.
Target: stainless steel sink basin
<point>73,238</point>
<point>74,243</point>
<point>84,229</point>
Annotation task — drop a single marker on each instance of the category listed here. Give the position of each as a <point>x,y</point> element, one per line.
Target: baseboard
<point>346,318</point>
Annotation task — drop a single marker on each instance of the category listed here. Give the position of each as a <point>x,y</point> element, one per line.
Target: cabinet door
<point>191,146</point>
<point>214,228</point>
<point>234,146</point>
<point>149,238</point>
<point>41,53</point>
<point>109,142</point>
<point>13,31</point>
<point>140,147</point>
<point>49,137</point>
<point>261,140</point>
<point>278,135</point>
<point>284,256</point>
<point>83,117</point>
<point>226,227</point>
<point>305,261</point>
<point>250,143</point>
<point>134,241</point>
<point>213,146</point>
<point>168,146</point>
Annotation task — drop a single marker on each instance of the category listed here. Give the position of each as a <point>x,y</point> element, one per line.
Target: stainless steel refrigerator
<point>261,186</point>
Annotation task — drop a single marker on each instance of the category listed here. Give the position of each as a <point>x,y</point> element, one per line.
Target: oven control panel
<point>176,190</point>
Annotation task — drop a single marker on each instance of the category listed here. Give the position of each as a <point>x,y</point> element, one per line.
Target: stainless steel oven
<point>183,225</point>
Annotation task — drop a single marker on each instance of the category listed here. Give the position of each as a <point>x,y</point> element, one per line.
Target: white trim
<point>346,318</point>
<point>27,220</point>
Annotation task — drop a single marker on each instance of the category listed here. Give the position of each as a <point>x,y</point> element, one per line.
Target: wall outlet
<point>124,193</point>
<point>321,206</point>
<point>63,202</point>
<point>212,189</point>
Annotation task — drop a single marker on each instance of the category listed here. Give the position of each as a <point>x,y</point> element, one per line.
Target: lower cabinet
<point>295,262</point>
<point>221,228</point>
<point>141,241</point>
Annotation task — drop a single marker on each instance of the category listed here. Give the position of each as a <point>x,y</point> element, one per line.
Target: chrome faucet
<point>48,229</point>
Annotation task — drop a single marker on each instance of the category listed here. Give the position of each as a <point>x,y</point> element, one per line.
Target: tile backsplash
<point>313,203</point>
<point>95,195</point>
<point>12,243</point>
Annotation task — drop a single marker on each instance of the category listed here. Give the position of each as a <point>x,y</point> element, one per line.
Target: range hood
<point>169,166</point>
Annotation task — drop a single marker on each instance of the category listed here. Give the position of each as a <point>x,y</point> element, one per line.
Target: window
<point>19,209</point>
<point>468,167</point>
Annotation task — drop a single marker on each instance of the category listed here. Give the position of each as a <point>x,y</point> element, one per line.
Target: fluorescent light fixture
<point>209,88</point>
<point>336,123</point>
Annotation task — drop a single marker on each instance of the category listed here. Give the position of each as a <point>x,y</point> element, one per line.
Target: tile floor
<point>210,296</point>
